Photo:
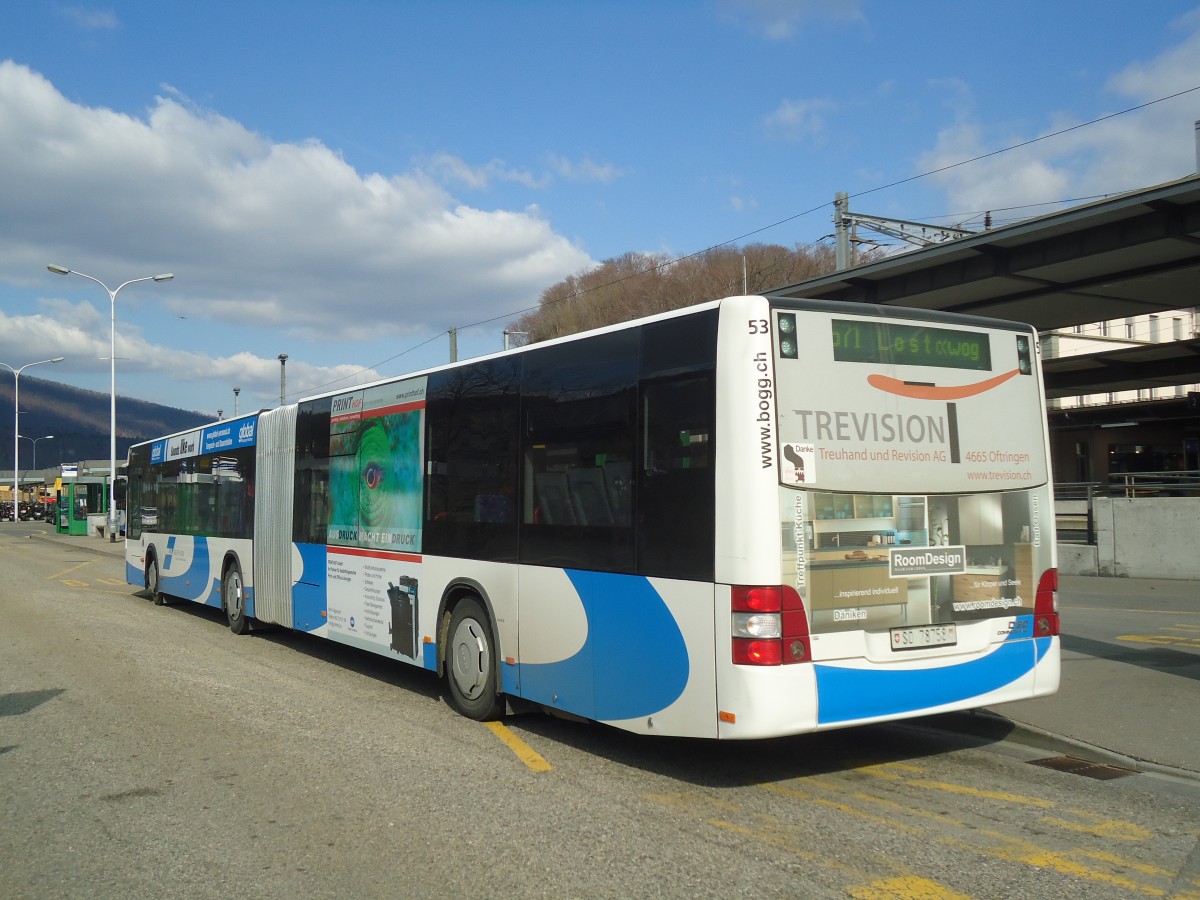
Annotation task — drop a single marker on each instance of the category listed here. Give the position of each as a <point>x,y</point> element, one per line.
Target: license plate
<point>917,637</point>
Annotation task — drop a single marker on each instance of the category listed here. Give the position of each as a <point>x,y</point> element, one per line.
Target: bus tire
<point>471,663</point>
<point>233,598</point>
<point>154,583</point>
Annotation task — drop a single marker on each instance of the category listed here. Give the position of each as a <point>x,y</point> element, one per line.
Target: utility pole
<point>846,224</point>
<point>453,345</point>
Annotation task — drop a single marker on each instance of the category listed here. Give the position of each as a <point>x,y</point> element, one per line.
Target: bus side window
<point>133,504</point>
<point>472,437</point>
<point>578,440</point>
<point>311,503</point>
<point>676,486</point>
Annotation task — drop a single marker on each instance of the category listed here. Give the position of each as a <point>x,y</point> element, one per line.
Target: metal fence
<point>1074,501</point>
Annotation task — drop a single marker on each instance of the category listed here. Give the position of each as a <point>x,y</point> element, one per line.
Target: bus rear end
<point>903,458</point>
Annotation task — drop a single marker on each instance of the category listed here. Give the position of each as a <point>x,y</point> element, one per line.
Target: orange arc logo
<point>932,391</point>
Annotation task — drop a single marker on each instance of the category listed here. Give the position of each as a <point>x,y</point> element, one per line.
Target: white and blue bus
<point>749,518</point>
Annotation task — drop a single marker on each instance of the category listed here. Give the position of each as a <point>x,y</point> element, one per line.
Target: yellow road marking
<point>1105,828</point>
<point>1168,640</point>
<point>997,844</point>
<point>1125,863</point>
<point>694,803</point>
<point>523,751</point>
<point>72,569</point>
<point>843,808</point>
<point>1017,850</point>
<point>1152,612</point>
<point>774,837</point>
<point>1004,796</point>
<point>1087,864</point>
<point>906,887</point>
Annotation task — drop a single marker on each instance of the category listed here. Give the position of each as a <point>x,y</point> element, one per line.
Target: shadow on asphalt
<point>1158,659</point>
<point>723,764</point>
<point>21,702</point>
<point>718,764</point>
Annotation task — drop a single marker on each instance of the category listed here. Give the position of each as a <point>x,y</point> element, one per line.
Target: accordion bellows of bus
<point>748,518</point>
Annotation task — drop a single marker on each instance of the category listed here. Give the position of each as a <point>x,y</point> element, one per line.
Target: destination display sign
<point>895,343</point>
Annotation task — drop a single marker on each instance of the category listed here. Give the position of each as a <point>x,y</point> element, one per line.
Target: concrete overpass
<point>1127,255</point>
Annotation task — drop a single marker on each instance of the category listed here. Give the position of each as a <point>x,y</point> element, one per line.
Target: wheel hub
<point>469,663</point>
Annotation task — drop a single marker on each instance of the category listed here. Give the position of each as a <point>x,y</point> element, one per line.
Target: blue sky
<point>345,182</point>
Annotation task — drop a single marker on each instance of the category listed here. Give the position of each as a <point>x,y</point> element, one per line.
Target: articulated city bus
<point>748,518</point>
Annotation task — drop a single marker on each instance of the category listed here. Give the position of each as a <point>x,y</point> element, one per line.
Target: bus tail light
<point>770,627</point>
<point>1045,605</point>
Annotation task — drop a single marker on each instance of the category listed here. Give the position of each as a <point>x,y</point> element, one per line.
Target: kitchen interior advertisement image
<point>920,496</point>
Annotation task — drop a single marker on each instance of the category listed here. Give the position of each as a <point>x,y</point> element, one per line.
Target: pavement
<point>1130,689</point>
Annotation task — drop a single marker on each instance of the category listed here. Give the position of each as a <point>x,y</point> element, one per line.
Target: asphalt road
<point>148,752</point>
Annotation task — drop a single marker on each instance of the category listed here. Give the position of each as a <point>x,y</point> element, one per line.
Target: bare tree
<point>641,284</point>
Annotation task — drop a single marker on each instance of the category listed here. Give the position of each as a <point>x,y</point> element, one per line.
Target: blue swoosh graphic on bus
<point>849,694</point>
<point>198,572</point>
<point>310,602</point>
<point>634,661</point>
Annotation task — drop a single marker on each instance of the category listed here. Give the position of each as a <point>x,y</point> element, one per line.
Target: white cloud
<point>91,19</point>
<point>283,241</point>
<point>585,169</point>
<point>255,231</point>
<point>797,120</point>
<point>1123,153</point>
<point>779,20</point>
<point>79,332</point>
<point>448,169</point>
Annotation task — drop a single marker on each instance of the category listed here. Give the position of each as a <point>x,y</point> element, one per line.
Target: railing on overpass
<point>1074,510</point>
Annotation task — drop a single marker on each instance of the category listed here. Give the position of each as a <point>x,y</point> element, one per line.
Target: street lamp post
<point>34,440</point>
<point>112,358</point>
<point>283,358</point>
<point>236,391</point>
<point>17,420</point>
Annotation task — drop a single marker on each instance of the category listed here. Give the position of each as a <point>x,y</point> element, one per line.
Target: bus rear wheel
<point>471,663</point>
<point>233,597</point>
<point>154,583</point>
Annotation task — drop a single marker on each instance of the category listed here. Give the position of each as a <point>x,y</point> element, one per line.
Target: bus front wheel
<point>471,663</point>
<point>233,596</point>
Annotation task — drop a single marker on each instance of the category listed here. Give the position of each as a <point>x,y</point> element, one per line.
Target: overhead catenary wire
<point>807,212</point>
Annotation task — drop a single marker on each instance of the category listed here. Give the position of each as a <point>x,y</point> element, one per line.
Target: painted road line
<point>905,887</point>
<point>523,751</point>
<point>70,570</point>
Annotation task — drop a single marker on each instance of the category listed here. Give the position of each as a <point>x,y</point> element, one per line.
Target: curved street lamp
<point>17,420</point>
<point>112,358</point>
<point>34,440</point>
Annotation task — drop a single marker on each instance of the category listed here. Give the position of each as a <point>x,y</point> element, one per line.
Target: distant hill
<point>79,419</point>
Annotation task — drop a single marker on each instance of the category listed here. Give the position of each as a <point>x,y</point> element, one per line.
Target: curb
<point>993,727</point>
<point>89,547</point>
